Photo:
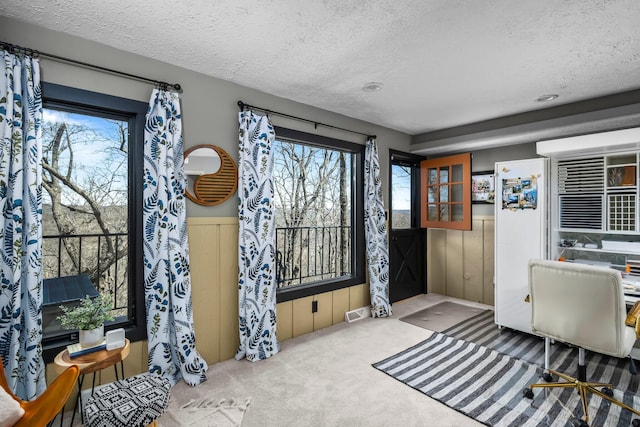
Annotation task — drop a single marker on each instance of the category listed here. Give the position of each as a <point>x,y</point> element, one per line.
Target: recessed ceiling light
<point>546,98</point>
<point>372,86</point>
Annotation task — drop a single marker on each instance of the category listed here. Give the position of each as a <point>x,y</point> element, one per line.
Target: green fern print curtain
<point>256,279</point>
<point>21,225</point>
<point>167,280</point>
<point>376,233</point>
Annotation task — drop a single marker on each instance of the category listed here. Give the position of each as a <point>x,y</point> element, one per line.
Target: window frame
<point>86,102</point>
<point>357,215</point>
<point>401,158</point>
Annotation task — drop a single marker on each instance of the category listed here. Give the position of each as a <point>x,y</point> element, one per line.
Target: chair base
<point>583,387</point>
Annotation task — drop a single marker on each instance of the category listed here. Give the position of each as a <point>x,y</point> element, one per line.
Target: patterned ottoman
<point>134,401</point>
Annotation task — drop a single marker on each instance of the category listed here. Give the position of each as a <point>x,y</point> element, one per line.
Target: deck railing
<point>303,255</point>
<point>309,254</point>
<point>102,257</point>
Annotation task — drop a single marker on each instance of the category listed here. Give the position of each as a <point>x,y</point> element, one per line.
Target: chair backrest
<point>579,304</point>
<point>44,408</point>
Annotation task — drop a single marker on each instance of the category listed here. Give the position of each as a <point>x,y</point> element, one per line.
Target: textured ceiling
<point>443,63</point>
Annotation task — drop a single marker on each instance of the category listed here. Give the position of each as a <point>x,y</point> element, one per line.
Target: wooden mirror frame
<point>214,188</point>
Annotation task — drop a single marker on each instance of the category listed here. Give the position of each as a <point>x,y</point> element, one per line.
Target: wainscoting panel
<point>230,339</point>
<point>324,316</point>
<point>284,320</point>
<point>487,255</point>
<point>213,252</point>
<point>473,275</point>
<point>460,263</point>
<point>359,296</point>
<point>340,304</point>
<point>437,261</point>
<point>302,316</point>
<point>455,263</point>
<point>295,317</point>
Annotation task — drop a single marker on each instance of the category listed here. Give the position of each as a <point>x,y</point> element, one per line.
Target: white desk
<point>631,299</point>
<point>631,284</point>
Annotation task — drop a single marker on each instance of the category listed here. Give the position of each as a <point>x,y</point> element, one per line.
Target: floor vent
<point>357,314</point>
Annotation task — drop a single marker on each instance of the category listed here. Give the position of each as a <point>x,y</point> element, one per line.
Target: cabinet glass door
<point>446,192</point>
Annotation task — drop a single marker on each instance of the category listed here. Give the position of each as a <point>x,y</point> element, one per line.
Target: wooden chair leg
<point>153,424</point>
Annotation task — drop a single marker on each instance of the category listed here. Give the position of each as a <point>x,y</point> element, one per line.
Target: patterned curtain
<point>256,279</point>
<point>376,233</point>
<point>167,281</point>
<point>21,225</point>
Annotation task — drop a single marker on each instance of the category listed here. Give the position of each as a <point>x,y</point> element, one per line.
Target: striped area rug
<point>487,385</point>
<point>482,330</point>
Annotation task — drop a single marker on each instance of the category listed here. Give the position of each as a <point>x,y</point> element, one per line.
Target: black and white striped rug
<point>487,385</point>
<point>482,330</point>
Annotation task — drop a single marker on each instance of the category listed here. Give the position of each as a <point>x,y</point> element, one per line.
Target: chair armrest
<point>42,410</point>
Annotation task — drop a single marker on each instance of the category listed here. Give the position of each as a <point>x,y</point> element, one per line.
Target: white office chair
<point>581,305</point>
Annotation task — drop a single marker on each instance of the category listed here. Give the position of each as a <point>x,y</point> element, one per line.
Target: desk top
<point>92,362</point>
<point>631,299</point>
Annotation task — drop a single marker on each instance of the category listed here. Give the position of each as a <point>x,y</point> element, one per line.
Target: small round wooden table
<point>93,362</point>
<point>90,364</point>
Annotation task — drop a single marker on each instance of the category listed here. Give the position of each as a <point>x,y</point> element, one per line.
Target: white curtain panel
<point>167,281</point>
<point>376,233</point>
<point>256,278</point>
<point>21,225</point>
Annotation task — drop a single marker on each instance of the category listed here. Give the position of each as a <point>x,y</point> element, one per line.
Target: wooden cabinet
<point>460,263</point>
<point>445,192</point>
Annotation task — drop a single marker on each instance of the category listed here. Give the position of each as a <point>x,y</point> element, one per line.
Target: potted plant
<point>88,318</point>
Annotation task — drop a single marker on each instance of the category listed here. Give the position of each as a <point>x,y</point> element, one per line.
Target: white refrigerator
<point>521,218</point>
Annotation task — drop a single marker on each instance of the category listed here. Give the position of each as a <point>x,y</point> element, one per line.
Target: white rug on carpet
<point>207,413</point>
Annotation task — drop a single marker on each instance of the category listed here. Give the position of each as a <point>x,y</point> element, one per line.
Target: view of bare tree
<point>401,196</point>
<point>85,178</point>
<point>312,202</point>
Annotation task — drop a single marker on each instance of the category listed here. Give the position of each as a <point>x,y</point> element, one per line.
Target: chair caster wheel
<point>635,422</point>
<point>607,391</point>
<point>527,393</point>
<point>579,423</point>
<point>547,377</point>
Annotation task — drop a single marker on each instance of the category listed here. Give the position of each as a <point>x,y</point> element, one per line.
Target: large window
<point>318,214</point>
<point>92,170</point>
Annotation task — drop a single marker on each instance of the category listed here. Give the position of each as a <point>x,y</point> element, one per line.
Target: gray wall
<point>484,160</point>
<point>210,112</point>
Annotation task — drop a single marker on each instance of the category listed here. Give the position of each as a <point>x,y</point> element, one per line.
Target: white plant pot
<point>92,337</point>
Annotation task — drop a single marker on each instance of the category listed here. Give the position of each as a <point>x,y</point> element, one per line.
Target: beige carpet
<point>207,413</point>
<point>442,316</point>
<point>325,379</point>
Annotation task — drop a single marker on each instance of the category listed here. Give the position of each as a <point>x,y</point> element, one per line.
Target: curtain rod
<point>242,106</point>
<point>31,52</point>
